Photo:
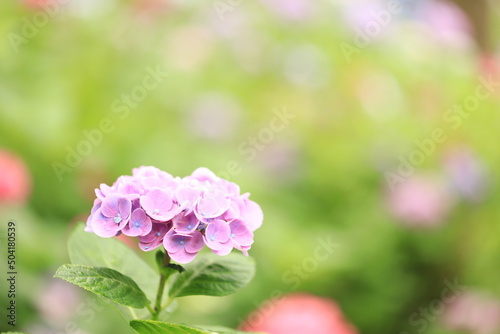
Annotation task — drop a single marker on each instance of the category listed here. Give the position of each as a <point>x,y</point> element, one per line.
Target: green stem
<point>161,287</point>
<point>132,313</point>
<point>150,309</point>
<point>167,303</point>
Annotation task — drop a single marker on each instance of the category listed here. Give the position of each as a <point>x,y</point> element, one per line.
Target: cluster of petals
<point>182,214</point>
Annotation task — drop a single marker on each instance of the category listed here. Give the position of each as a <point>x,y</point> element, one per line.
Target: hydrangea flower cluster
<point>182,214</point>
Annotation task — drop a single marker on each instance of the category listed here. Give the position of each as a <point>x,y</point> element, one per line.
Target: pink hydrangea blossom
<point>183,215</point>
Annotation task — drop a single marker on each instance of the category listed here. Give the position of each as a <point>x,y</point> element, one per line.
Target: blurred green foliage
<point>323,175</point>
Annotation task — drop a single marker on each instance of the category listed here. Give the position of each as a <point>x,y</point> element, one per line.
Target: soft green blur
<point>321,174</point>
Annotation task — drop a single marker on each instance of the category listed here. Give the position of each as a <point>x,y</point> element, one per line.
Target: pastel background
<point>368,129</point>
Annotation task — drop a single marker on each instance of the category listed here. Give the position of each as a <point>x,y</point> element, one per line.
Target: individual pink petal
<point>212,204</point>
<point>145,171</point>
<point>185,224</point>
<point>174,242</point>
<point>243,249</point>
<point>153,182</point>
<point>159,205</point>
<point>224,248</point>
<point>149,247</point>
<point>103,191</point>
<point>88,227</point>
<point>154,238</point>
<point>95,207</point>
<point>217,232</point>
<point>252,214</point>
<point>124,208</point>
<point>116,206</point>
<point>104,226</point>
<point>130,190</point>
<point>183,248</point>
<point>204,174</point>
<point>136,204</point>
<point>207,207</point>
<point>150,171</point>
<point>240,233</point>
<point>139,224</point>
<point>187,196</point>
<point>196,243</point>
<point>183,256</point>
<point>231,188</point>
<point>233,212</point>
<point>158,230</point>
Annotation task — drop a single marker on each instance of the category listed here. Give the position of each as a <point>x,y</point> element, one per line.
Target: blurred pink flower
<point>475,313</point>
<point>214,116</point>
<point>236,32</point>
<point>151,8</point>
<point>357,14</point>
<point>299,314</point>
<point>490,66</point>
<point>420,200</point>
<point>15,179</point>
<point>293,10</point>
<point>37,4</point>
<point>235,25</point>
<point>468,176</point>
<point>438,20</point>
<point>39,328</point>
<point>446,22</point>
<point>57,302</point>
<point>281,161</point>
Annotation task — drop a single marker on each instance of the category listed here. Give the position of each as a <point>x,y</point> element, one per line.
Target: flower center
<point>182,242</point>
<point>156,211</point>
<point>158,234</point>
<point>118,219</point>
<point>137,224</point>
<point>212,237</point>
<point>232,235</point>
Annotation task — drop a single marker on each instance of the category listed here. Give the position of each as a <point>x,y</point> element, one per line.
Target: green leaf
<point>169,269</point>
<point>91,250</point>
<point>12,333</point>
<point>176,267</point>
<point>158,327</point>
<point>104,282</point>
<point>213,275</point>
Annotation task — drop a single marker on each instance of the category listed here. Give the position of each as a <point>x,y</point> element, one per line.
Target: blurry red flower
<point>299,314</point>
<point>15,179</point>
<point>37,4</point>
